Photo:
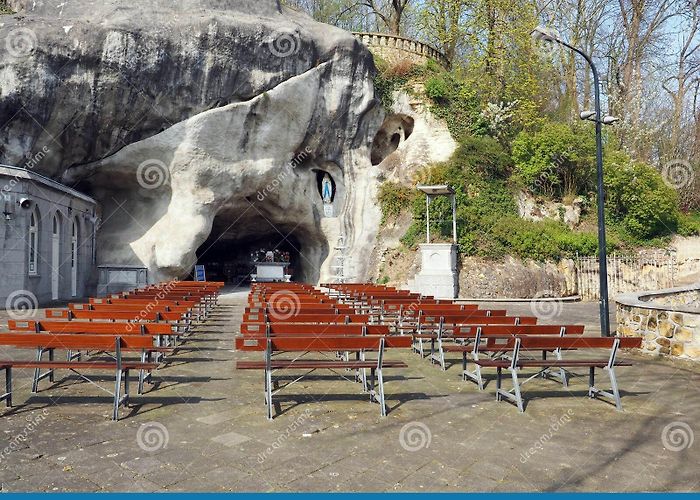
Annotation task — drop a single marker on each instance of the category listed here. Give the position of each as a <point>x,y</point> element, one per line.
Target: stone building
<point>48,240</point>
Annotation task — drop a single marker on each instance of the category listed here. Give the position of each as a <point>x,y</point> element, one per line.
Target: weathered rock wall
<point>515,278</point>
<point>173,113</point>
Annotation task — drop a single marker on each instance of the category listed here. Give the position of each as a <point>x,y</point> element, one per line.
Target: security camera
<point>25,203</point>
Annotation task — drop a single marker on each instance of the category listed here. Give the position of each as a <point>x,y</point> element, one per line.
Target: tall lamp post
<point>543,34</point>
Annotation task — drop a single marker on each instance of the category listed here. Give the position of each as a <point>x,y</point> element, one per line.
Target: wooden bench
<point>517,363</point>
<point>470,338</point>
<point>160,335</point>
<point>494,336</point>
<point>157,331</point>
<point>42,343</point>
<point>195,311</point>
<point>359,344</point>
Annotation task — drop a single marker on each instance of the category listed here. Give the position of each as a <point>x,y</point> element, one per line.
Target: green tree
<point>556,160</point>
<point>638,199</point>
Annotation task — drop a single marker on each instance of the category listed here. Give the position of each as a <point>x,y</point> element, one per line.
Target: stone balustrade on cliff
<point>395,48</point>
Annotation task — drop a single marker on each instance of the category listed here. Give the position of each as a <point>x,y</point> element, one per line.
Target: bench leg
<point>442,355</point>
<point>268,393</point>
<point>37,371</point>
<point>516,389</point>
<point>613,394</point>
<point>51,372</point>
<point>380,384</point>
<point>117,394</point>
<point>8,387</point>
<point>499,382</point>
<point>615,389</point>
<point>361,355</point>
<point>142,374</point>
<point>591,382</point>
<point>125,401</point>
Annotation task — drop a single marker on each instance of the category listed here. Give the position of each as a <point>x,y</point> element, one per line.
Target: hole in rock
<point>395,129</point>
<point>234,244</point>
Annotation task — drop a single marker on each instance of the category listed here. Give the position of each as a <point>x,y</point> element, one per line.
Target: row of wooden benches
<point>505,352</point>
<point>507,342</point>
<point>126,326</point>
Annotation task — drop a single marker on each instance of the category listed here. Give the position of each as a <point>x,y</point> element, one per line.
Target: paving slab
<point>202,427</point>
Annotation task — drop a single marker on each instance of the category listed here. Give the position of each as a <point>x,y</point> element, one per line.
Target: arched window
<point>34,242</point>
<point>56,256</point>
<point>75,236</point>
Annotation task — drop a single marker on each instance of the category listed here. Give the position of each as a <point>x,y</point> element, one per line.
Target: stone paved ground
<point>203,428</point>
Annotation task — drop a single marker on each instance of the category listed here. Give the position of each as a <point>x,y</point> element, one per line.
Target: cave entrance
<point>231,260</point>
<point>239,237</point>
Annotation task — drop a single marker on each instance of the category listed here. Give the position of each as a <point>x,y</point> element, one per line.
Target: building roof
<point>23,173</point>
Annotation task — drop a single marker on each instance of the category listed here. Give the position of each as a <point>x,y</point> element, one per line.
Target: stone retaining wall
<point>668,320</point>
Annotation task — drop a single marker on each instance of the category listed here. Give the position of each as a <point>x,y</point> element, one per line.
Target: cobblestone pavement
<point>202,427</point>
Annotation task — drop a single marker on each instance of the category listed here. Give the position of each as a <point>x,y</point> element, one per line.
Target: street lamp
<point>543,34</point>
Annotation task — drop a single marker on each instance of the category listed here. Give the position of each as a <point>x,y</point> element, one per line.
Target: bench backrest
<point>302,310</point>
<point>306,318</point>
<point>112,315</point>
<point>321,344</point>
<point>484,320</point>
<point>136,306</point>
<point>553,342</point>
<point>453,318</point>
<point>144,302</point>
<point>90,327</point>
<point>416,308</point>
<point>315,329</point>
<point>506,330</point>
<point>74,342</point>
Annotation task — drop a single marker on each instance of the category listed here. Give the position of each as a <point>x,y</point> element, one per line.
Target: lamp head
<point>609,120</point>
<point>543,34</point>
<point>587,115</point>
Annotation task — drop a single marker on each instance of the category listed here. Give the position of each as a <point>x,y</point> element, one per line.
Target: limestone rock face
<point>532,208</point>
<point>187,116</point>
<point>410,138</point>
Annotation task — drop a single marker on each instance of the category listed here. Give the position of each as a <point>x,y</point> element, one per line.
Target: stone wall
<point>393,48</point>
<point>668,320</point>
